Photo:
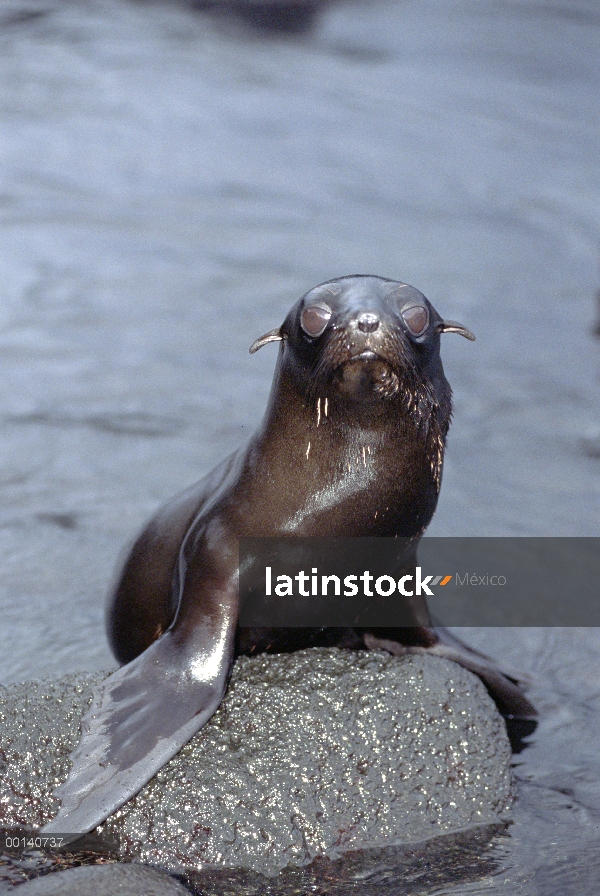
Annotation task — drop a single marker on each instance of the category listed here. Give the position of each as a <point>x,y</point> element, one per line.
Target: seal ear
<point>452,326</point>
<point>271,336</point>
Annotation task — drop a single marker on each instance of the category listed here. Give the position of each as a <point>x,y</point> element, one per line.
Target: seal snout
<point>371,333</point>
<point>368,322</point>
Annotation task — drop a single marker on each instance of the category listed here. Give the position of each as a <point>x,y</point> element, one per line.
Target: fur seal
<point>351,444</point>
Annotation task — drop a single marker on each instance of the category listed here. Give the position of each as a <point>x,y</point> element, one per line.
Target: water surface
<point>171,181</point>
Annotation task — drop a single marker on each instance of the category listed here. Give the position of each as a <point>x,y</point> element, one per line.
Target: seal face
<point>351,444</point>
<point>366,338</point>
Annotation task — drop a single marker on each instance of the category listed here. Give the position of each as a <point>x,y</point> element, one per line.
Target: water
<point>171,181</point>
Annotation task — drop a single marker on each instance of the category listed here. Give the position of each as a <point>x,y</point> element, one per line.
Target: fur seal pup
<point>351,444</point>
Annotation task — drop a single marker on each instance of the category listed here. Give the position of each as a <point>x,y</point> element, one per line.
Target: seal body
<point>351,444</point>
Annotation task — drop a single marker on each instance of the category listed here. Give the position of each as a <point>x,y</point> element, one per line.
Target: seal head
<point>362,337</point>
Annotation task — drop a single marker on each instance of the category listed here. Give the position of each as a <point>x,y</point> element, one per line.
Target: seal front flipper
<point>143,713</point>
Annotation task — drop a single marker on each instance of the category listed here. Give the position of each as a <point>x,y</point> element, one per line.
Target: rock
<point>312,753</point>
<point>105,880</point>
<point>285,16</point>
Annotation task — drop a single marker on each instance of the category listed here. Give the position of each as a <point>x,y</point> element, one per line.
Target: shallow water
<point>170,181</point>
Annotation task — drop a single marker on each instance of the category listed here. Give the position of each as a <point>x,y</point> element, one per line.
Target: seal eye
<point>314,319</point>
<point>416,318</point>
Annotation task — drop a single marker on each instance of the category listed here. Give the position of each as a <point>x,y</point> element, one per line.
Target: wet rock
<point>312,753</point>
<point>283,16</point>
<point>105,880</point>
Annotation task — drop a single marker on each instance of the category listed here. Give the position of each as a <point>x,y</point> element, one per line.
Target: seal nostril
<point>368,322</point>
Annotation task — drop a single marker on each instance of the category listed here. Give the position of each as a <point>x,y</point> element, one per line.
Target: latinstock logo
<point>303,584</point>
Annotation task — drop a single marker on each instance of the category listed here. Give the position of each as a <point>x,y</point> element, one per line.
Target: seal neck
<point>293,414</point>
<point>345,473</point>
